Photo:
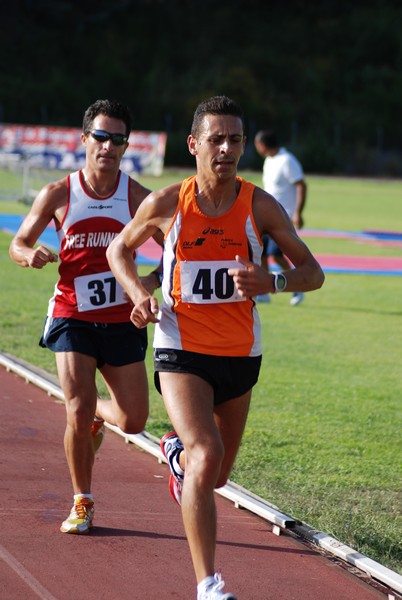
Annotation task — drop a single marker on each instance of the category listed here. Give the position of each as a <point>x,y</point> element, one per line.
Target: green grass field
<point>323,439</point>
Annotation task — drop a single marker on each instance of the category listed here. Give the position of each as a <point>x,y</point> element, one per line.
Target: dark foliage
<point>326,75</point>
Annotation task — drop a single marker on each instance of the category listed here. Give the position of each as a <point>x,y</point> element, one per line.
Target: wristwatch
<point>159,277</point>
<point>279,283</point>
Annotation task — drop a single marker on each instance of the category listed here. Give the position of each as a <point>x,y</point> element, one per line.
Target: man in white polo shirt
<point>283,177</point>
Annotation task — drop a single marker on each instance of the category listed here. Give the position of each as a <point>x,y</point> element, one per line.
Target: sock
<point>205,583</point>
<point>89,496</point>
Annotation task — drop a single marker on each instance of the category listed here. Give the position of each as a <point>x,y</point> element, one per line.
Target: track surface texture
<point>137,549</point>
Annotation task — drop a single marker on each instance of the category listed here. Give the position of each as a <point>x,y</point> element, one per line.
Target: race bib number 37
<point>204,282</point>
<point>99,290</point>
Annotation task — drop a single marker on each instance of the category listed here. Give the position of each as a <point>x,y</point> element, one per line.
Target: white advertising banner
<point>61,148</point>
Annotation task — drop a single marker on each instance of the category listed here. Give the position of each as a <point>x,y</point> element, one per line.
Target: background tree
<point>327,75</point>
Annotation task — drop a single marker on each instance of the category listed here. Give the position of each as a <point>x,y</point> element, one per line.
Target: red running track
<point>137,549</point>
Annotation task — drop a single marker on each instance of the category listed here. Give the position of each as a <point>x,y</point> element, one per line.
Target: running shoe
<point>80,519</point>
<point>214,591</point>
<point>171,447</point>
<point>297,298</point>
<point>98,433</point>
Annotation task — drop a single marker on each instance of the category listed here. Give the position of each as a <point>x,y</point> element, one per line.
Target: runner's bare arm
<point>150,281</point>
<point>49,204</point>
<point>153,215</point>
<point>271,218</point>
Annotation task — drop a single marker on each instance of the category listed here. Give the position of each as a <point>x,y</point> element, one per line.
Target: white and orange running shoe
<point>80,518</point>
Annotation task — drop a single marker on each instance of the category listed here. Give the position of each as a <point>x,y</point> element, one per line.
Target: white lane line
<point>25,575</point>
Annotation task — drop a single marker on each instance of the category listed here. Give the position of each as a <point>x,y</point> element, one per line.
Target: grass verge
<point>323,438</point>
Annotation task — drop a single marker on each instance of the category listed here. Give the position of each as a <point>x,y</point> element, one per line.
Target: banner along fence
<point>61,148</point>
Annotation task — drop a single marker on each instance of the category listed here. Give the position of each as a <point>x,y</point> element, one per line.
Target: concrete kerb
<point>241,497</point>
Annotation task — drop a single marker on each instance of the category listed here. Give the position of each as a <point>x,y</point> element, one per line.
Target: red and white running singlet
<point>87,289</point>
<point>201,309</point>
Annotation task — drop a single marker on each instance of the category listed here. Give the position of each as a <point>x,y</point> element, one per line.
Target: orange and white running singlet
<point>87,289</point>
<point>201,309</point>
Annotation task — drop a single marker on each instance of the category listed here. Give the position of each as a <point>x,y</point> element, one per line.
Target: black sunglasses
<point>118,139</point>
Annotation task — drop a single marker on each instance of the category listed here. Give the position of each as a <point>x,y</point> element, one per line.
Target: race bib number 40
<point>99,290</point>
<point>208,282</point>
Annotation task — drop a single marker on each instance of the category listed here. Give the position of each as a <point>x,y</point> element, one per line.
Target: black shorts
<point>115,344</point>
<point>229,376</point>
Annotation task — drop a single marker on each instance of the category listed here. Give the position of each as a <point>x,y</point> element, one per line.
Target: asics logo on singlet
<point>213,231</point>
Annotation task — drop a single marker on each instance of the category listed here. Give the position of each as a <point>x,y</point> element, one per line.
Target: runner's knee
<point>132,424</point>
<point>204,461</point>
<point>79,418</point>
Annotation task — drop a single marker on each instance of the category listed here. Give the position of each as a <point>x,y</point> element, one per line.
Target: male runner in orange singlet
<point>207,335</point>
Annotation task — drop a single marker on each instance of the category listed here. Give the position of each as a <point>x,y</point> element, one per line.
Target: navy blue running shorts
<point>229,376</point>
<point>115,344</point>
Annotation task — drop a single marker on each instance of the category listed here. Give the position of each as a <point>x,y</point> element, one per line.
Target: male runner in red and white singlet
<point>88,321</point>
